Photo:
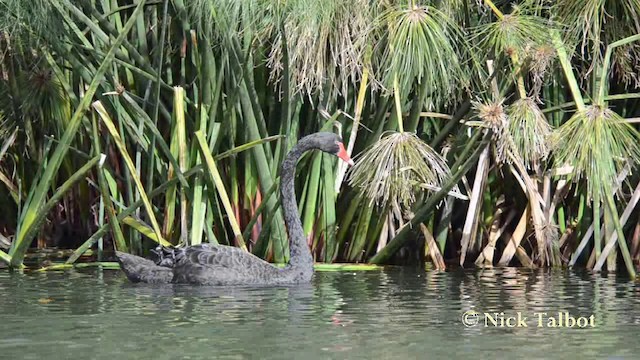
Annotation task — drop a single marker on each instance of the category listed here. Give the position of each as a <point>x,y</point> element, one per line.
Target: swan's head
<point>332,144</point>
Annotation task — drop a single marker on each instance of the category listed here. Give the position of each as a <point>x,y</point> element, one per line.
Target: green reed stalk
<point>329,208</point>
<point>104,190</point>
<point>219,186</point>
<point>53,201</point>
<point>127,212</point>
<point>129,163</point>
<point>33,208</point>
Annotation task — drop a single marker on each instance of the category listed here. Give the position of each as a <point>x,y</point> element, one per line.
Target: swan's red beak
<point>342,154</point>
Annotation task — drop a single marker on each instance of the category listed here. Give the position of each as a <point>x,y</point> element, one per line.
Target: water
<point>394,314</point>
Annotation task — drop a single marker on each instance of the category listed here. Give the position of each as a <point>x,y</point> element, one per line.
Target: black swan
<point>209,264</point>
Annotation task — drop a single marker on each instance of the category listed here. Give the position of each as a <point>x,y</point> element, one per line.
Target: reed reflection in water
<point>396,313</point>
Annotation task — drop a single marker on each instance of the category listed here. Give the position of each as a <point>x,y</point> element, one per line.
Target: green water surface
<point>390,314</point>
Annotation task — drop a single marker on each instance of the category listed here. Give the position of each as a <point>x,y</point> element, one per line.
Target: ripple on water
<point>397,313</point>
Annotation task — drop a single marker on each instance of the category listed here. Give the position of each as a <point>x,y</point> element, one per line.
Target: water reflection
<point>397,313</point>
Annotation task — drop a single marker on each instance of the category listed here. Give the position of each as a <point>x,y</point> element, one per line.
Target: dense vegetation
<point>494,132</point>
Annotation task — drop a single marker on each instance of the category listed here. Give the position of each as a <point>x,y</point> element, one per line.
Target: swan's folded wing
<point>221,265</point>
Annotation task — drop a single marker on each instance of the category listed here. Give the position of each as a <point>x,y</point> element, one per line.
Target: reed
<point>195,105</point>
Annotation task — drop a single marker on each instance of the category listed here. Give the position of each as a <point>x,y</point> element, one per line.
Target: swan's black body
<point>208,264</point>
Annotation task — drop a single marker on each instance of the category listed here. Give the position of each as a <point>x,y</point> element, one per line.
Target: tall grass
<point>528,112</point>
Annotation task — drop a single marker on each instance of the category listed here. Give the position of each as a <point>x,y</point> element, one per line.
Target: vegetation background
<point>486,132</point>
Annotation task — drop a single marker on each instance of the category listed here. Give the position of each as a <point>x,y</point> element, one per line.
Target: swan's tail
<point>139,269</point>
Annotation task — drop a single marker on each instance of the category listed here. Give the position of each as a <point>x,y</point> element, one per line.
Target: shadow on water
<point>396,313</point>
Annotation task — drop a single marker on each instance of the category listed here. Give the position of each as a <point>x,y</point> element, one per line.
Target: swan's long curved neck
<point>300,254</point>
